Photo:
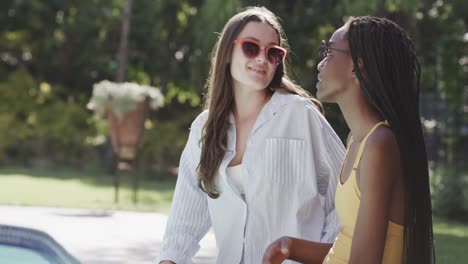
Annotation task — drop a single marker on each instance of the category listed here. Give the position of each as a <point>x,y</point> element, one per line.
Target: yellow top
<point>347,200</point>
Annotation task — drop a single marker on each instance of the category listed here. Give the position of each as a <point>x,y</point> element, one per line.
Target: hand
<point>278,251</point>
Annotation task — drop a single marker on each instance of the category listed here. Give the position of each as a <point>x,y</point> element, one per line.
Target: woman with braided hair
<point>369,68</point>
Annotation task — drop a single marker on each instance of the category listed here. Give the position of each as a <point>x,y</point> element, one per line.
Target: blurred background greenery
<point>52,52</point>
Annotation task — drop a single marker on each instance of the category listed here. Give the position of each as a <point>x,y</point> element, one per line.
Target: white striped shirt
<point>290,167</point>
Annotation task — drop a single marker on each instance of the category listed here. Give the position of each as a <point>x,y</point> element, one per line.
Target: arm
<point>378,172</point>
<point>328,157</point>
<point>189,219</point>
<point>299,250</point>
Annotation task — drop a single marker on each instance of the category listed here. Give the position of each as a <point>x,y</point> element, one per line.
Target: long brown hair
<point>220,96</point>
<point>391,85</point>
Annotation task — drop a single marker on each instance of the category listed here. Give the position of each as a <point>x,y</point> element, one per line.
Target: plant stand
<point>125,133</point>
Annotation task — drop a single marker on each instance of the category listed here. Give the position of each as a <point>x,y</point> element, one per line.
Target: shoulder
<point>297,104</point>
<point>197,126</point>
<point>302,114</point>
<point>200,120</point>
<point>382,143</point>
<point>381,156</point>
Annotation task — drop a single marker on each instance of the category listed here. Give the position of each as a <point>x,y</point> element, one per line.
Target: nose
<point>320,65</point>
<point>261,57</point>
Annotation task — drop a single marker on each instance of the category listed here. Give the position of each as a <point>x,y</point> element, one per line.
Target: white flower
<point>123,97</point>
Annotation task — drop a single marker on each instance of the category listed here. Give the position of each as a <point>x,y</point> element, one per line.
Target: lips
<point>257,70</point>
<point>319,77</point>
<point>319,83</point>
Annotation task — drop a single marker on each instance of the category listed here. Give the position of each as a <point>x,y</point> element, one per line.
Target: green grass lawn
<point>451,241</point>
<point>66,188</point>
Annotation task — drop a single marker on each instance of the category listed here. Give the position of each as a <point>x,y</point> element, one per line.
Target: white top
<point>235,177</point>
<point>290,164</point>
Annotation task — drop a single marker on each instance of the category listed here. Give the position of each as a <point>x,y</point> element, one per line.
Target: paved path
<point>104,237</point>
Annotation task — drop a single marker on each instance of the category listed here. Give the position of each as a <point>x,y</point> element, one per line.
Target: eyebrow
<point>268,44</point>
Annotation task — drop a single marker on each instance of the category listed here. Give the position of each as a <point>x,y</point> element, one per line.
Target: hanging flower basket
<point>123,97</point>
<point>125,106</point>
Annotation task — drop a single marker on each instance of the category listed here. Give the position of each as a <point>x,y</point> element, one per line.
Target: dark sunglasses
<point>251,49</point>
<point>325,50</point>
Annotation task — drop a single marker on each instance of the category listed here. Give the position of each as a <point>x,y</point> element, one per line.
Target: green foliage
<point>19,95</point>
<point>53,51</point>
<point>61,131</point>
<point>449,187</point>
<point>164,140</point>
<point>208,24</point>
<point>37,123</point>
<point>6,121</point>
<point>181,95</point>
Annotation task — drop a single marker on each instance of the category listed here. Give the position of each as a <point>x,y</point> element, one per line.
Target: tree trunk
<point>122,57</point>
<point>382,8</point>
<point>122,54</point>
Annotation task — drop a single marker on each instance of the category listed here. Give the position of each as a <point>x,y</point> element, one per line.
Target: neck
<point>248,104</point>
<point>359,115</point>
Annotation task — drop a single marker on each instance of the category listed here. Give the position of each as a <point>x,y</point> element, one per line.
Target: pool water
<point>19,255</point>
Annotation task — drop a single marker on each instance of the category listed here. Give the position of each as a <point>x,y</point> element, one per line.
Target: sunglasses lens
<point>275,55</point>
<point>250,49</point>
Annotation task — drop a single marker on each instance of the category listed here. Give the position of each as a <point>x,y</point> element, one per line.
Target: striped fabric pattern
<point>290,168</point>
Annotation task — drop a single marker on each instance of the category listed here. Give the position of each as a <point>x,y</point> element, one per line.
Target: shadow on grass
<point>98,178</point>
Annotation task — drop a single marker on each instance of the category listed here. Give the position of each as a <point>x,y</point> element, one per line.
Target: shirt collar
<point>277,100</point>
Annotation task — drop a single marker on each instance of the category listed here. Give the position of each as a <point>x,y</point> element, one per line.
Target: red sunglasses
<point>252,48</point>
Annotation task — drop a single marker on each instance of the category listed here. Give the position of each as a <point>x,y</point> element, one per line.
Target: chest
<point>243,131</point>
<point>349,162</point>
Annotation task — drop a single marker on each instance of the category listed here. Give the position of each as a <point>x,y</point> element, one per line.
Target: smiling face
<point>336,69</point>
<point>253,73</point>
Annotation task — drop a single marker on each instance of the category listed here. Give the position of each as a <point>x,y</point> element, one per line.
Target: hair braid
<point>390,82</point>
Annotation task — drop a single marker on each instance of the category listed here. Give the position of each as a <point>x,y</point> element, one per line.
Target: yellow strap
<point>363,143</point>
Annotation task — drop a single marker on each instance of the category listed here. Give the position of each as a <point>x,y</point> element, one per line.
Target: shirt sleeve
<point>330,152</point>
<point>333,160</point>
<point>189,218</point>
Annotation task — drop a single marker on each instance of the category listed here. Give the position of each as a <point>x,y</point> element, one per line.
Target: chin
<point>258,85</point>
<point>323,97</point>
<point>320,95</point>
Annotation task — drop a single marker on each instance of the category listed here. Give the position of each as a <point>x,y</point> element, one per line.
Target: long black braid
<point>390,82</point>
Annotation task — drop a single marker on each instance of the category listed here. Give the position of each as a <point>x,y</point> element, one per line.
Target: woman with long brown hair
<point>261,160</point>
<point>370,69</point>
